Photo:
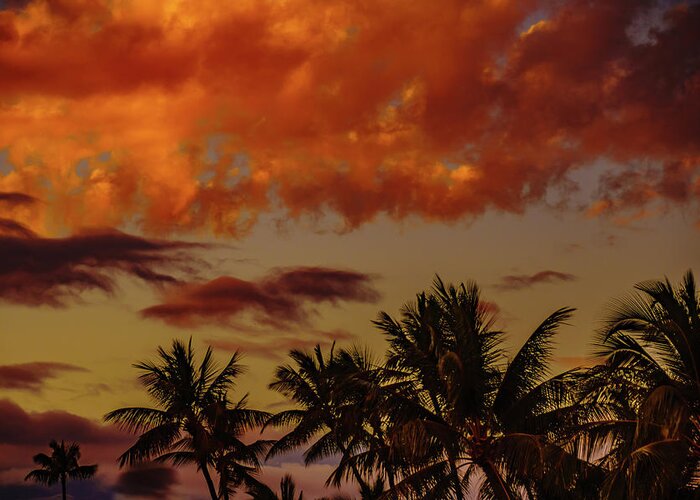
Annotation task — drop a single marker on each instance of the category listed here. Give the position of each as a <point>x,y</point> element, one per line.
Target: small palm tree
<point>194,422</point>
<point>61,465</point>
<point>288,491</point>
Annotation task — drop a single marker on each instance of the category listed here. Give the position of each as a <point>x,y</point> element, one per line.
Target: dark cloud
<point>51,271</point>
<point>31,376</point>
<point>12,228</point>
<point>150,481</point>
<point>282,298</point>
<point>14,199</point>
<point>23,428</point>
<point>79,490</point>
<point>519,281</point>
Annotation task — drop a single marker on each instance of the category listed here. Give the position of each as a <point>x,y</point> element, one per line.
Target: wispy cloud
<point>520,281</point>
<point>31,376</point>
<point>277,346</point>
<point>53,271</point>
<point>285,297</point>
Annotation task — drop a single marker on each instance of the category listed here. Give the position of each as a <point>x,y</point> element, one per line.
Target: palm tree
<point>475,417</point>
<point>288,491</point>
<point>376,396</point>
<point>644,423</point>
<point>193,422</point>
<point>61,465</point>
<point>315,384</point>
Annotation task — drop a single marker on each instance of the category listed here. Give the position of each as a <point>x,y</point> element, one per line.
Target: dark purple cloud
<point>31,376</point>
<point>24,428</point>
<point>520,281</point>
<point>150,481</point>
<point>284,297</point>
<point>52,271</point>
<point>92,489</point>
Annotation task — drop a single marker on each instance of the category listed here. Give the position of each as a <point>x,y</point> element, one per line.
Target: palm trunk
<point>454,474</point>
<point>500,490</point>
<point>63,486</point>
<point>392,482</point>
<point>355,472</point>
<point>210,483</point>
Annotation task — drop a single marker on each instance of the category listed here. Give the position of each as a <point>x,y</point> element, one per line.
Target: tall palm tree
<point>192,417</point>
<point>61,465</point>
<point>491,421</point>
<point>644,423</point>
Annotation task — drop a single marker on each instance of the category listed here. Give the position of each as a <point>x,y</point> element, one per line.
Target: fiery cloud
<point>31,376</point>
<point>50,271</point>
<point>282,298</point>
<point>181,119</point>
<point>519,281</point>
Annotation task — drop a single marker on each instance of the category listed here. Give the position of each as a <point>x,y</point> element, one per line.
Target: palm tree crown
<point>61,465</point>
<point>646,393</point>
<point>194,423</point>
<point>477,419</point>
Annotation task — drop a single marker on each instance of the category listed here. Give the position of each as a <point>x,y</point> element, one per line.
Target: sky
<point>267,175</point>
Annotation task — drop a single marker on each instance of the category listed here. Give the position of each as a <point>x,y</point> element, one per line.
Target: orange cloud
<point>172,118</point>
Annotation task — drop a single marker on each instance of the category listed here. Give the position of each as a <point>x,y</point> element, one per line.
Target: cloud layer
<point>177,119</point>
<point>283,298</point>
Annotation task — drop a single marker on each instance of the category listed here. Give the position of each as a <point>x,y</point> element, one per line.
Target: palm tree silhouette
<point>61,465</point>
<point>645,397</point>
<point>486,418</point>
<point>315,384</point>
<point>194,422</point>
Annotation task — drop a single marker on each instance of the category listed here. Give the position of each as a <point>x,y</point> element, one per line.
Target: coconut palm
<point>61,465</point>
<point>645,423</point>
<point>491,421</point>
<point>315,382</point>
<point>193,422</point>
<point>377,397</point>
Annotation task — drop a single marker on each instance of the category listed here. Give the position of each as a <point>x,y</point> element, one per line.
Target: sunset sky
<point>270,174</point>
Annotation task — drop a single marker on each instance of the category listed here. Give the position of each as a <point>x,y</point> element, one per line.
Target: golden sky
<point>270,174</point>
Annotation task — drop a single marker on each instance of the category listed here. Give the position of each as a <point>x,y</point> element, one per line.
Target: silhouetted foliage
<point>60,466</point>
<point>448,413</point>
<point>195,423</point>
